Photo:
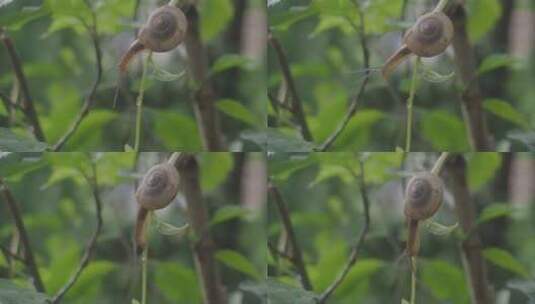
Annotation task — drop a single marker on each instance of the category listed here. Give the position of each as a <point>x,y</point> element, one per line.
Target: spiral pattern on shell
<point>423,196</point>
<point>430,35</point>
<point>165,29</point>
<point>158,187</point>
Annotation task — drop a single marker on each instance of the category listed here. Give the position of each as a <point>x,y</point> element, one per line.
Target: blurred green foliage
<point>58,210</point>
<point>58,59</point>
<point>323,195</point>
<point>322,44</point>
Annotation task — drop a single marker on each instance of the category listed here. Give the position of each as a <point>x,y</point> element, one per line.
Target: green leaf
<point>445,281</point>
<point>430,75</point>
<point>162,75</point>
<point>228,213</point>
<point>481,168</point>
<point>177,132</point>
<point>15,14</point>
<point>526,138</point>
<point>482,17</point>
<point>505,260</point>
<point>89,133</point>
<point>12,164</point>
<point>237,262</point>
<point>403,301</point>
<point>433,125</point>
<point>525,287</point>
<point>279,293</point>
<point>494,211</point>
<point>236,110</point>
<point>134,301</point>
<point>274,140</point>
<point>166,277</point>
<point>495,61</point>
<point>506,111</point>
<point>14,142</point>
<point>229,61</point>
<point>171,230</point>
<point>439,229</point>
<point>215,15</point>
<point>215,168</point>
<point>12,293</point>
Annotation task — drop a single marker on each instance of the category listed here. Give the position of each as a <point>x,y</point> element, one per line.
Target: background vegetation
<point>324,199</point>
<point>323,44</point>
<point>54,40</point>
<point>58,209</point>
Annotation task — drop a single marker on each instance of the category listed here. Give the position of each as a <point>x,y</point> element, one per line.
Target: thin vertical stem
<point>413,280</point>
<point>437,168</point>
<point>139,103</point>
<point>144,262</point>
<point>441,5</point>
<point>410,103</point>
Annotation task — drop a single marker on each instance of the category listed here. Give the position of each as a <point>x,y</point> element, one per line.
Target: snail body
<point>157,190</point>
<point>428,37</point>
<point>164,30</point>
<point>423,198</point>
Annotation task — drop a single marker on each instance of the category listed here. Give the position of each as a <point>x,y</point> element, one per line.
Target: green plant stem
<point>437,168</point>
<point>410,102</point>
<point>144,262</point>
<point>441,5</point>
<point>139,103</point>
<point>413,280</point>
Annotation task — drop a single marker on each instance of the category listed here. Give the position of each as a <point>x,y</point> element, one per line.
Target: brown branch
<point>93,183</point>
<point>88,103</point>
<point>19,223</point>
<point>471,246</point>
<point>204,106</point>
<point>471,98</point>
<point>297,104</point>
<point>203,247</point>
<point>356,248</point>
<point>27,101</point>
<point>361,30</point>
<point>297,255</point>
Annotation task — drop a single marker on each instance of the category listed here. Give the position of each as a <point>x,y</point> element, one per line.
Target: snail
<point>428,37</point>
<point>158,188</point>
<point>423,198</point>
<point>164,30</point>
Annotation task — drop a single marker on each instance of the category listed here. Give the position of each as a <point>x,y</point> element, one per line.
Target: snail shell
<point>164,30</point>
<point>430,35</point>
<point>423,196</point>
<point>158,187</point>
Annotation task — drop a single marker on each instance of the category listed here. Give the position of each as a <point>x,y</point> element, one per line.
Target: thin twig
<point>356,248</point>
<point>297,256</point>
<point>27,102</point>
<point>88,103</point>
<point>139,104</point>
<point>93,183</point>
<point>439,164</point>
<point>19,223</point>
<point>361,30</point>
<point>410,103</point>
<point>297,104</point>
